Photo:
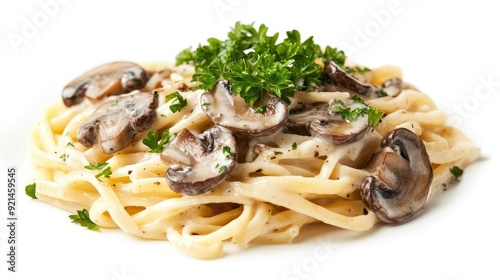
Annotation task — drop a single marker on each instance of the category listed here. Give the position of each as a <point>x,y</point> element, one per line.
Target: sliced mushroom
<point>198,163</point>
<point>156,78</point>
<point>401,177</point>
<point>108,79</point>
<point>115,123</point>
<point>230,111</point>
<point>321,121</point>
<point>393,87</point>
<point>345,81</point>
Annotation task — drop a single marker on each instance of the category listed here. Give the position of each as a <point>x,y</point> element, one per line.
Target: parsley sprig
<point>254,62</point>
<point>348,114</point>
<point>178,102</point>
<point>82,217</point>
<point>158,145</point>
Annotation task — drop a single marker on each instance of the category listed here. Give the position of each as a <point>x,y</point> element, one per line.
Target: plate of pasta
<point>254,149</point>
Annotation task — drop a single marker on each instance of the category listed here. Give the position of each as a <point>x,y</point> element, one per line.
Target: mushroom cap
<point>230,111</point>
<point>108,79</point>
<point>115,123</point>
<point>346,81</point>
<point>198,163</point>
<point>320,121</point>
<point>393,87</point>
<point>401,177</point>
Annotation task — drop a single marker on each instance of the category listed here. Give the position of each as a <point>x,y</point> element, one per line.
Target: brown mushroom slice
<point>115,123</point>
<point>198,163</point>
<point>393,87</point>
<point>400,179</point>
<point>108,79</point>
<point>230,111</point>
<point>346,81</point>
<point>321,121</point>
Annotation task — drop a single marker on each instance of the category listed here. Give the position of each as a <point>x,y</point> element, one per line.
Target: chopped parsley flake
<point>357,69</point>
<point>178,102</point>
<point>226,150</point>
<point>223,169</point>
<point>99,166</point>
<point>31,190</point>
<point>457,172</point>
<point>348,114</point>
<point>82,217</point>
<point>152,141</point>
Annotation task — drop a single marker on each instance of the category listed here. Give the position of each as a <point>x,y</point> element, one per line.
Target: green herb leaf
<point>223,169</point>
<point>357,69</point>
<point>255,63</point>
<point>31,190</point>
<point>152,141</point>
<point>178,102</point>
<point>334,55</point>
<point>226,150</point>
<point>457,172</point>
<point>261,109</point>
<point>374,116</point>
<point>97,166</point>
<point>82,217</point>
<point>348,114</point>
<point>381,93</point>
<point>294,146</point>
<point>106,173</point>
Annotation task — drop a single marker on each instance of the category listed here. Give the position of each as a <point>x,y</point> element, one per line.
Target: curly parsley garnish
<point>158,145</point>
<point>254,62</point>
<point>82,217</point>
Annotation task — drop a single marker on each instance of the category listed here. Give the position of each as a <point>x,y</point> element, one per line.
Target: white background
<point>449,51</point>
